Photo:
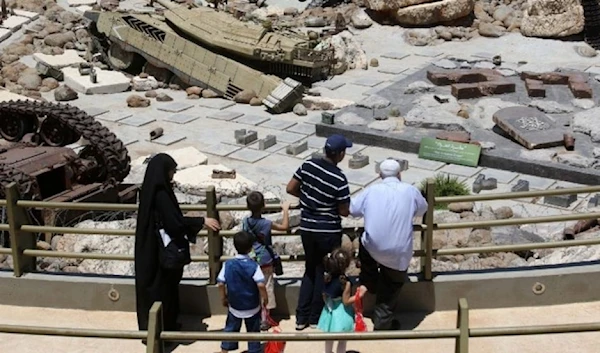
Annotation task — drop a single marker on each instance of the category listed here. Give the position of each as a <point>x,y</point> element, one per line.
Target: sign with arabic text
<point>449,152</point>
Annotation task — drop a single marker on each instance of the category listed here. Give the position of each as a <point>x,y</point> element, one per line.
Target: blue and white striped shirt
<point>323,186</point>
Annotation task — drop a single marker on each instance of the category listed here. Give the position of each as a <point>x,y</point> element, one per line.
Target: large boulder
<point>435,12</point>
<point>552,18</point>
<point>387,5</point>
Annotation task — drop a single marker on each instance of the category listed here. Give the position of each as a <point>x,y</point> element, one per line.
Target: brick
<point>560,200</point>
<point>244,137</point>
<point>466,90</point>
<point>269,141</point>
<point>456,136</point>
<point>327,118</point>
<point>549,78</point>
<point>444,78</point>
<point>496,87</point>
<point>296,148</point>
<point>522,185</point>
<point>580,89</point>
<point>358,161</point>
<point>535,88</point>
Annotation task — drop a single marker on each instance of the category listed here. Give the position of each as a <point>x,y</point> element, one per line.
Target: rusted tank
<point>284,53</point>
<point>38,160</point>
<point>129,41</point>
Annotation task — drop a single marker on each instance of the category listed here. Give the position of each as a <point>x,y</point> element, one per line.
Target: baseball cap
<point>389,168</point>
<point>337,143</point>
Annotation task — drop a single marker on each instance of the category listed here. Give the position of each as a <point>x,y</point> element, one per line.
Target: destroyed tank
<point>129,41</point>
<point>283,53</point>
<point>38,160</point>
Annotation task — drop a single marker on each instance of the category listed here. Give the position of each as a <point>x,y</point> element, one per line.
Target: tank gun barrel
<point>168,4</point>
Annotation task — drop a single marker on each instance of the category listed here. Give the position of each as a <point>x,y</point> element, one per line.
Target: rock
<point>383,125</point>
<point>174,86</point>
<point>459,207</point>
<point>583,103</point>
<point>552,18</point>
<point>360,19</point>
<point>550,107</point>
<point>481,14</point>
<point>59,39</point>
<point>255,102</point>
<point>315,22</point>
<point>135,101</point>
<point>300,109</point>
<point>481,114</point>
<point>209,93</point>
<point>81,34</point>
<point>455,136</point>
<point>455,238</point>
<point>445,64</point>
<point>68,17</point>
<point>350,119</point>
<point>433,118</point>
<point>324,103</point>
<point>193,90</point>
<point>42,245</point>
<point>244,96</point>
<point>374,102</point>
<point>508,235</point>
<point>151,94</point>
<point>503,212</point>
<point>502,12</point>
<point>30,80</point>
<point>435,12</point>
<point>65,93</point>
<point>163,97</point>
<point>347,52</point>
<point>374,62</point>
<point>575,160</point>
<point>480,237</point>
<point>193,96</point>
<point>419,87</point>
<point>290,11</point>
<point>491,30</point>
<point>586,51</point>
<point>142,84</point>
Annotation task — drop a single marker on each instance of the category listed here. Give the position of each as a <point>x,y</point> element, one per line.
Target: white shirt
<point>258,277</point>
<point>389,208</point>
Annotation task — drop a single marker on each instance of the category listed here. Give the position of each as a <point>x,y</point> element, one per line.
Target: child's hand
<point>285,206</point>
<point>361,291</point>
<point>225,302</point>
<point>265,301</point>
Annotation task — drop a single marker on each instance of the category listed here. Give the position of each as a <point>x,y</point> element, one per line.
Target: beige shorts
<point>270,284</point>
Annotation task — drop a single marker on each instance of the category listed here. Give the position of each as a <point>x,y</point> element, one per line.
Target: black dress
<point>158,204</point>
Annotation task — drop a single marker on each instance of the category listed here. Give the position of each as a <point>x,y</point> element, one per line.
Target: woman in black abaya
<point>157,200</point>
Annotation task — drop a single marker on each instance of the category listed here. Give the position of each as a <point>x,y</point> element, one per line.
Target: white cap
<point>389,167</point>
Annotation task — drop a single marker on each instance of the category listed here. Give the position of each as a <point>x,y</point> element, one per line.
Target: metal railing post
<point>462,324</point>
<point>154,344</point>
<point>427,240</point>
<point>215,241</point>
<point>19,240</point>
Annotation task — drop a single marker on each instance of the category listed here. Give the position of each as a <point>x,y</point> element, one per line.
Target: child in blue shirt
<point>261,228</point>
<point>242,288</point>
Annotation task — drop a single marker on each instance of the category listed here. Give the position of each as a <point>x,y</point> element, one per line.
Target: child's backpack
<point>259,237</point>
<point>273,346</point>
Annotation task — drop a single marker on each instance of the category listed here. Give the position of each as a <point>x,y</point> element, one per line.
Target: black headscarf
<point>146,240</point>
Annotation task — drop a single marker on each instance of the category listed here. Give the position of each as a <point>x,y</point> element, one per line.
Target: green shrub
<point>445,185</point>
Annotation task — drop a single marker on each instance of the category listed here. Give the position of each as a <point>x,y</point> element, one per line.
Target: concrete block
<point>244,137</point>
<point>95,111</point>
<point>316,142</point>
<point>367,81</point>
<point>594,201</point>
<point>461,170</point>
<point>331,85</point>
<point>251,119</point>
<point>306,129</point>
<point>502,176</point>
<point>107,81</point>
<point>175,107</point>
<point>392,70</point>
<point>248,155</point>
<point>297,148</point>
<point>181,118</point>
<point>560,200</point>
<point>360,177</point>
<point>169,139</point>
<point>197,179</point>
<point>74,3</point>
<point>358,161</point>
<point>269,141</point>
<point>403,164</point>
<point>30,15</point>
<point>394,55</point>
<point>14,23</point>
<point>115,116</point>
<point>277,124</point>
<point>224,115</point>
<point>220,149</point>
<point>4,33</point>
<point>289,137</point>
<point>137,120</point>
<point>328,118</point>
<point>186,157</point>
<point>216,103</point>
<point>68,58</point>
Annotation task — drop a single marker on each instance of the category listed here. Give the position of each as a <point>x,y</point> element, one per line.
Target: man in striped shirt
<point>324,196</point>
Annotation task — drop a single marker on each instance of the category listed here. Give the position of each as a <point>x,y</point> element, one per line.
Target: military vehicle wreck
<point>43,168</point>
<point>183,45</point>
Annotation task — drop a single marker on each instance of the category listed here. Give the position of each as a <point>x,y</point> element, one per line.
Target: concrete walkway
<point>559,343</point>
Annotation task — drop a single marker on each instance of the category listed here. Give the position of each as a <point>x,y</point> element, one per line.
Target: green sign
<point>449,152</point>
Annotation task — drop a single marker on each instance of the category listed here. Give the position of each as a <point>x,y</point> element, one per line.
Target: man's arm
<point>343,199</point>
<point>259,278</point>
<point>293,187</point>
<point>420,204</point>
<point>221,285</point>
<point>357,204</point>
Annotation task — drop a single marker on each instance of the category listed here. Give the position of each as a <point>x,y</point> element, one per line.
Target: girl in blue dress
<point>338,313</point>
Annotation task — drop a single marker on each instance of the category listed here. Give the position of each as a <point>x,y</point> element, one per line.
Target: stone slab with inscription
<point>529,127</point>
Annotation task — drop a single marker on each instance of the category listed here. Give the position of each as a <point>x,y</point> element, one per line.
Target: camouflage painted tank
<point>129,40</point>
<point>284,53</point>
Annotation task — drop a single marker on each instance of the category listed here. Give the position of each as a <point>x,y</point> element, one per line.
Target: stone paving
<point>548,315</point>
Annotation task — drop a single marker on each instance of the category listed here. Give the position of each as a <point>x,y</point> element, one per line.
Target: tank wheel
<point>54,134</point>
<point>119,58</point>
<point>14,128</point>
<point>97,174</point>
<point>159,73</point>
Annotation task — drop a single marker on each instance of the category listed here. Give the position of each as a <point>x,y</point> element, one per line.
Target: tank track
<point>591,13</point>
<point>27,185</point>
<point>109,152</point>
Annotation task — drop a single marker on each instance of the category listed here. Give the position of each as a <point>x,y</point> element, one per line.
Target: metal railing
<point>155,336</point>
<point>23,233</point>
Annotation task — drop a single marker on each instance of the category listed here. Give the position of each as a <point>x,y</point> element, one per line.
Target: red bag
<point>273,346</point>
<point>359,320</point>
